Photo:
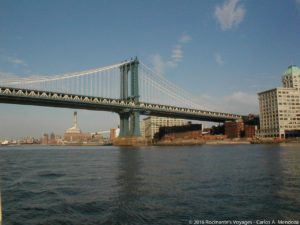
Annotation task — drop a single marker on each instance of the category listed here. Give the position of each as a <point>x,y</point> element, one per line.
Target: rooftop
<point>292,70</point>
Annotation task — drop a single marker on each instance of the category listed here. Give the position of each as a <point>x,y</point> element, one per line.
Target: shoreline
<point>176,143</point>
<point>227,142</point>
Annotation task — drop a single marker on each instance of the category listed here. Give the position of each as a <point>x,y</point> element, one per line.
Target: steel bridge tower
<point>129,119</point>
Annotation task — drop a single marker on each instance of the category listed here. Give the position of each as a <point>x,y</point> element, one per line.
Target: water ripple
<point>150,185</point>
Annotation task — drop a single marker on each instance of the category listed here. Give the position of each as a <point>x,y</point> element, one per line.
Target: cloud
<point>177,53</point>
<point>16,61</point>
<point>12,77</point>
<point>230,14</point>
<point>219,59</point>
<point>238,102</point>
<point>7,76</point>
<point>241,102</point>
<point>158,63</point>
<point>241,97</point>
<point>176,56</point>
<point>185,38</point>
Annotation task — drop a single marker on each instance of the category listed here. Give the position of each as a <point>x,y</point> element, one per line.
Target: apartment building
<point>280,107</point>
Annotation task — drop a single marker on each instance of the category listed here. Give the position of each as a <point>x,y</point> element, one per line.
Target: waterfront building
<point>250,130</point>
<point>52,139</point>
<point>97,137</point>
<point>152,124</point>
<point>280,107</point>
<point>45,139</point>
<point>189,132</point>
<point>114,133</point>
<point>234,129</point>
<point>142,128</point>
<point>74,134</point>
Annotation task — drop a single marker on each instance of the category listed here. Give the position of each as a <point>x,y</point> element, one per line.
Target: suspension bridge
<point>129,88</point>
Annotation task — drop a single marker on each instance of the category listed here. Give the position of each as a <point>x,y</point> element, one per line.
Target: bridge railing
<point>143,107</point>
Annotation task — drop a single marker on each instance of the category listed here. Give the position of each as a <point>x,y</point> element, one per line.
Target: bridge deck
<point>64,100</point>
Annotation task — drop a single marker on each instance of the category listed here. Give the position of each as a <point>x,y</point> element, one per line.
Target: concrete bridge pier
<point>130,134</point>
<point>135,124</point>
<point>130,124</point>
<point>124,124</point>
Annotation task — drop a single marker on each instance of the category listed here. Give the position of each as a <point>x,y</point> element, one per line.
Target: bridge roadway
<point>52,99</point>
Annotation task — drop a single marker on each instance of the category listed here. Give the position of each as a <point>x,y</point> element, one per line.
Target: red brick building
<point>234,129</point>
<point>250,131</point>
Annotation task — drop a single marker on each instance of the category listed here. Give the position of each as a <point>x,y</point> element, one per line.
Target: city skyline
<point>224,52</point>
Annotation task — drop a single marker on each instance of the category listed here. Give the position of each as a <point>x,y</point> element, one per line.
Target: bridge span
<point>129,89</point>
<point>62,100</point>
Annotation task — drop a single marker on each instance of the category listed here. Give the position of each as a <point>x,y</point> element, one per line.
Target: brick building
<point>234,129</point>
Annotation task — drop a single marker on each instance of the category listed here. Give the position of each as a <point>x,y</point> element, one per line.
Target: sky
<point>222,51</point>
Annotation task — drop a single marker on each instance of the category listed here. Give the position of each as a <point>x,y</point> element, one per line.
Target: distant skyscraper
<point>280,107</point>
<point>74,134</point>
<point>75,128</point>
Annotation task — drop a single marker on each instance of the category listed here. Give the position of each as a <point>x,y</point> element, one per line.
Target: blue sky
<point>224,52</point>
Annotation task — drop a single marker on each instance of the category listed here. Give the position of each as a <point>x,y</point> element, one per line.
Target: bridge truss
<point>129,88</point>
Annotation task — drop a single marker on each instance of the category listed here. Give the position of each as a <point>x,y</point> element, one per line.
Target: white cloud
<point>219,59</point>
<point>171,64</point>
<point>241,97</point>
<point>238,102</point>
<point>158,63</point>
<point>185,38</point>
<point>7,75</point>
<point>177,53</point>
<point>241,102</point>
<point>230,14</point>
<point>176,56</point>
<point>17,61</point>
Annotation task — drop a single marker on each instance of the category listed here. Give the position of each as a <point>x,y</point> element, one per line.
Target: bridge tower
<point>129,119</point>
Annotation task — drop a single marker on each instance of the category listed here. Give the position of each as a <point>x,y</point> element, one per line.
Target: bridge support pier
<point>130,134</point>
<point>135,124</point>
<point>124,124</point>
<point>130,130</point>
<point>129,90</point>
<point>130,124</point>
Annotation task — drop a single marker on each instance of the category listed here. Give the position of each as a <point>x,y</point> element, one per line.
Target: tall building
<point>152,124</point>
<point>74,134</point>
<point>280,107</point>
<point>75,129</point>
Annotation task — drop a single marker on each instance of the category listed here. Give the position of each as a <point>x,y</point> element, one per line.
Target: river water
<point>149,185</point>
